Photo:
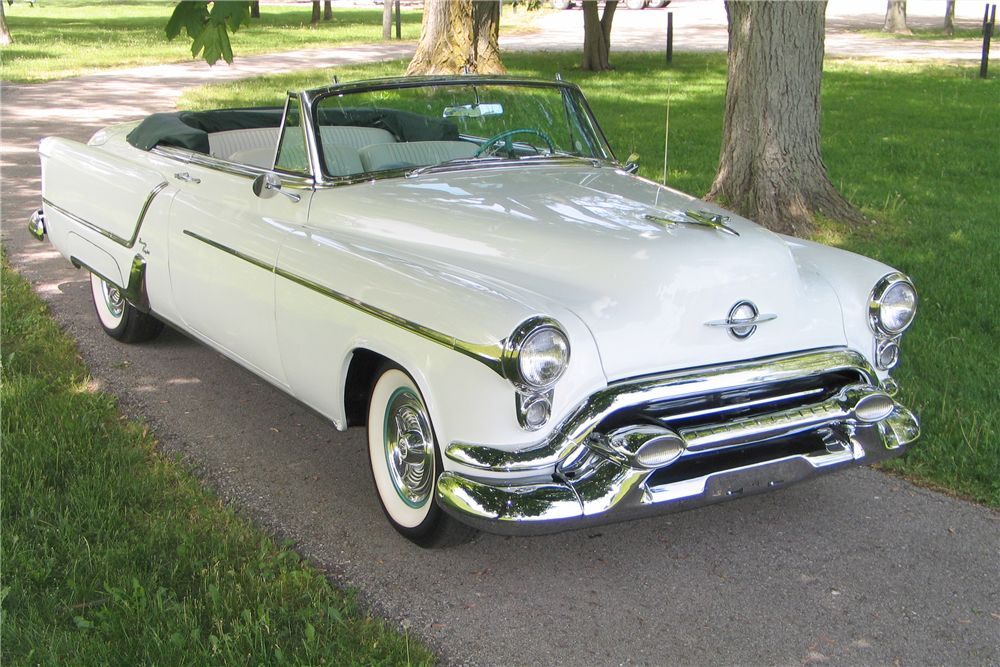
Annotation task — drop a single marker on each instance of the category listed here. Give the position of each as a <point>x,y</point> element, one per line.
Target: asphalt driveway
<point>854,569</point>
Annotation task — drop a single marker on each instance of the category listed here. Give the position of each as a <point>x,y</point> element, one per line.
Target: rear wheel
<point>405,463</point>
<point>120,319</point>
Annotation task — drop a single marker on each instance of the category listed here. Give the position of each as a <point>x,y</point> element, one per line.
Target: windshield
<point>461,125</point>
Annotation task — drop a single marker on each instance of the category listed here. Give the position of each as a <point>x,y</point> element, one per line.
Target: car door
<point>225,235</point>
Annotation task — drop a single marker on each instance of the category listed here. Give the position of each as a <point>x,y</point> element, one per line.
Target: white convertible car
<point>535,338</point>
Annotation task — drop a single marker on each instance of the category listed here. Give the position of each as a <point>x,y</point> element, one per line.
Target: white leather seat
<point>257,157</point>
<point>414,154</point>
<point>225,144</point>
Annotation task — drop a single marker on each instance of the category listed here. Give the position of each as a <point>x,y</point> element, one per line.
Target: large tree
<point>895,18</point>
<point>5,37</point>
<point>949,18</point>
<point>458,36</point>
<point>597,35</point>
<point>770,168</point>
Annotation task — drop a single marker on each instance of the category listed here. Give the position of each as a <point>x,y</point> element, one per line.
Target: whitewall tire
<point>120,319</point>
<point>405,463</point>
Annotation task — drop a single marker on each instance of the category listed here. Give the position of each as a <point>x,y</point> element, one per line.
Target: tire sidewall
<point>411,521</point>
<point>113,325</point>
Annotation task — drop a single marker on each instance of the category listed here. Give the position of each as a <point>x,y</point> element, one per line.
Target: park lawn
<point>912,145</point>
<point>115,555</point>
<point>57,40</point>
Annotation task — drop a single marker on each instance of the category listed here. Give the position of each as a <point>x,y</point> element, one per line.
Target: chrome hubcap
<point>409,448</point>
<point>113,299</point>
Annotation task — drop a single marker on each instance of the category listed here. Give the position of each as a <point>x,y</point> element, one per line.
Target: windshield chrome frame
<point>311,99</point>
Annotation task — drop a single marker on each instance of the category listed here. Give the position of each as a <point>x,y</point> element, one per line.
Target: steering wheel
<point>508,146</point>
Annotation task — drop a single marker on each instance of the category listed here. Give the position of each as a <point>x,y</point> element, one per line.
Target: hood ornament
<point>699,218</point>
<point>743,320</point>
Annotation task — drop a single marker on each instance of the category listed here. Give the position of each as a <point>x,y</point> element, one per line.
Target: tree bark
<point>327,10</point>
<point>316,13</point>
<point>486,22</point>
<point>949,18</point>
<point>387,19</point>
<point>895,18</point>
<point>770,167</point>
<point>458,36</point>
<point>255,9</point>
<point>597,36</point>
<point>5,37</point>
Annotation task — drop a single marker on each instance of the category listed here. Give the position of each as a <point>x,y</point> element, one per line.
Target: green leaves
<point>209,28</point>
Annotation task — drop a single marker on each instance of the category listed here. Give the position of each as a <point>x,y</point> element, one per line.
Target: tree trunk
<point>770,168</point>
<point>5,37</point>
<point>895,18</point>
<point>327,10</point>
<point>597,36</point>
<point>387,8</point>
<point>255,9</point>
<point>458,36</point>
<point>949,18</point>
<point>316,13</point>
<point>486,23</point>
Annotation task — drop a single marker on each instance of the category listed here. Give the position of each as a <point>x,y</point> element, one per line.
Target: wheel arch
<point>360,379</point>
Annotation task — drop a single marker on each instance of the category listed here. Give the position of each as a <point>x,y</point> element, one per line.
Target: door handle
<point>184,176</point>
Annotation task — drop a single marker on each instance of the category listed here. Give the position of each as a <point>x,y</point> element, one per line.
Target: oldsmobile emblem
<point>743,320</point>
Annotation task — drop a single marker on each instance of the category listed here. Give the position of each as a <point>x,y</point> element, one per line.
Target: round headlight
<point>543,357</point>
<point>536,354</point>
<point>893,304</point>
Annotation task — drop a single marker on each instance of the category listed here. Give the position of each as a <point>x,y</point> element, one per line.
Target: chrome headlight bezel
<point>515,354</point>
<point>886,289</point>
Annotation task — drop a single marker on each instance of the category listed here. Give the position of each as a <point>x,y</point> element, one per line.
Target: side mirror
<point>632,163</point>
<point>266,185</point>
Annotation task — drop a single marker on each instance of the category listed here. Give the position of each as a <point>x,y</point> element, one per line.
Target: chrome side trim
<point>490,355</point>
<point>231,251</point>
<point>135,291</point>
<point>127,243</point>
<point>576,429</point>
<point>232,168</point>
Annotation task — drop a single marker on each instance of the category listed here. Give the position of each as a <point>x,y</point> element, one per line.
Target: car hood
<point>580,236</point>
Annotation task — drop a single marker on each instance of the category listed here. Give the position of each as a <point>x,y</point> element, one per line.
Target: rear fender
<point>95,189</point>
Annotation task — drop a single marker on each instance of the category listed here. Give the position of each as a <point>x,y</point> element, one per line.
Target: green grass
<point>914,146</point>
<point>56,40</point>
<point>923,35</point>
<point>114,555</point>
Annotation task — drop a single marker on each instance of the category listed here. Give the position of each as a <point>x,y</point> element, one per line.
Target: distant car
<point>535,338</point>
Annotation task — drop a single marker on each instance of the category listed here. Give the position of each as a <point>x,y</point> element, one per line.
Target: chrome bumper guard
<point>36,224</point>
<point>645,469</point>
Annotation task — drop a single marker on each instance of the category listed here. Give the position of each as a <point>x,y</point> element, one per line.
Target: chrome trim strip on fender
<point>127,243</point>
<point>135,291</point>
<point>490,355</point>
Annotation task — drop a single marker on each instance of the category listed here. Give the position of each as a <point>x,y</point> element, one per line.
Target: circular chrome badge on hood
<point>744,312</point>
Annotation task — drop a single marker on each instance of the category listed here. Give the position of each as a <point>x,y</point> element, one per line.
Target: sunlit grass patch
<point>115,555</point>
<point>56,40</point>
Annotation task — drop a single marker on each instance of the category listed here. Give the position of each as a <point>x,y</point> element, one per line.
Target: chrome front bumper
<point>600,475</point>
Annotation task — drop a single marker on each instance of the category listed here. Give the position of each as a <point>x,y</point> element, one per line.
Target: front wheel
<point>120,319</point>
<point>405,464</point>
